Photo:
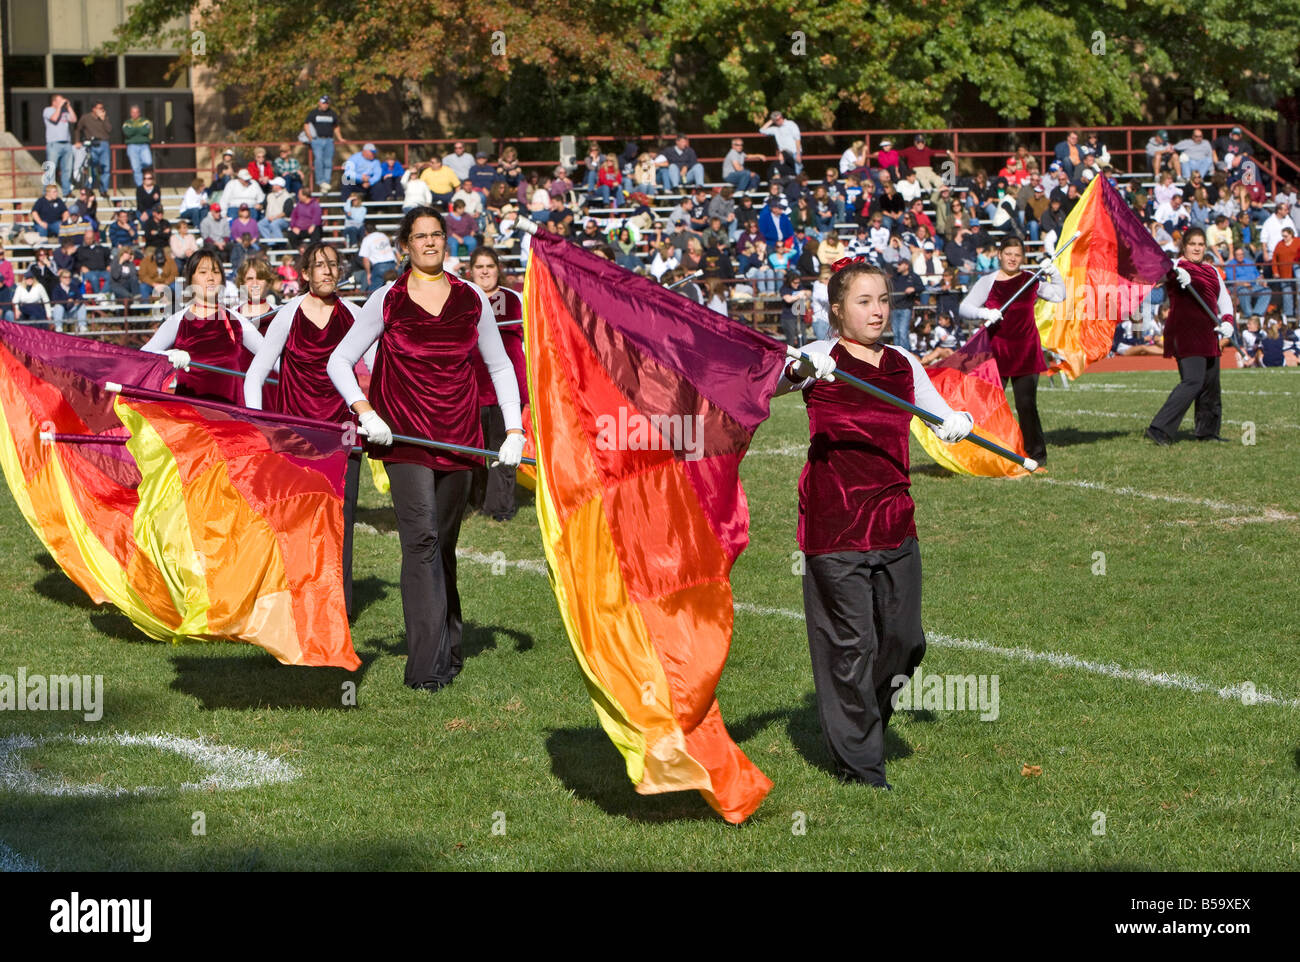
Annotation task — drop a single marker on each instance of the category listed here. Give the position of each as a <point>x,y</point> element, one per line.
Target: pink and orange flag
<point>643,405</point>
<point>196,520</point>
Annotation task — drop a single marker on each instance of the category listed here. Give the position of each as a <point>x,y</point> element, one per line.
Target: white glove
<point>180,359</point>
<point>1184,278</point>
<point>955,427</point>
<point>374,428</point>
<point>815,364</point>
<point>512,449</point>
<point>989,315</point>
<point>1048,265</point>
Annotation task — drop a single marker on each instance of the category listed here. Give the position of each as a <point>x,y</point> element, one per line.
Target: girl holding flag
<point>862,579</point>
<point>301,337</point>
<point>206,332</point>
<point>427,324</point>
<point>1192,336</point>
<point>1014,334</point>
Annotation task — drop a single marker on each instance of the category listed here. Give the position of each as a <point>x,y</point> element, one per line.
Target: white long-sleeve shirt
<point>165,336</point>
<point>369,327</point>
<point>273,342</point>
<point>1051,287</point>
<point>924,394</point>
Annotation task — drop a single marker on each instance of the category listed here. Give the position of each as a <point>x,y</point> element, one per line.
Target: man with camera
<point>96,132</point>
<point>59,116</point>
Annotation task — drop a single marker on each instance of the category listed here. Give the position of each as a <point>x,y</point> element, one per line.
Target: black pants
<point>493,491</point>
<point>430,505</point>
<point>351,482</point>
<point>1200,383</point>
<point>864,628</point>
<point>1025,390</point>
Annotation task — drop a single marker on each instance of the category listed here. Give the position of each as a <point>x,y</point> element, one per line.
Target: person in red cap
<point>1192,336</point>
<point>215,229</point>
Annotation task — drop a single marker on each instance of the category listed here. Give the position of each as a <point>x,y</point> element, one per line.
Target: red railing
<point>1278,166</point>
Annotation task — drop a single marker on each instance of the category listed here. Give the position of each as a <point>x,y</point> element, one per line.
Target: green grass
<point>1186,779</point>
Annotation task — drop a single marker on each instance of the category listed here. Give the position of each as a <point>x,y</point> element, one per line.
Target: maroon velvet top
<point>1015,342</point>
<point>508,306</point>
<point>215,340</point>
<point>1189,331</point>
<point>305,387</point>
<point>853,493</point>
<point>423,381</point>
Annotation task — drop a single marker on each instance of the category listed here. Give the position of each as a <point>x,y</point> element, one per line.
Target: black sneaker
<point>1156,437</point>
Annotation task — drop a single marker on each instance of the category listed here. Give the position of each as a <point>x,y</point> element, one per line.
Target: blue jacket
<point>775,227</point>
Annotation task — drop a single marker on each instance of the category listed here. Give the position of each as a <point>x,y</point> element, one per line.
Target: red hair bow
<point>844,262</point>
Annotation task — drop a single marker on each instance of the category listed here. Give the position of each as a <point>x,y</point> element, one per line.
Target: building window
<point>152,72</point>
<point>75,72</point>
<point>25,71</point>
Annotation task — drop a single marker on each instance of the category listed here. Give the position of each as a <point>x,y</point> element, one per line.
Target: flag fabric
<point>969,380</point>
<point>1107,272</point>
<point>643,405</point>
<point>195,520</point>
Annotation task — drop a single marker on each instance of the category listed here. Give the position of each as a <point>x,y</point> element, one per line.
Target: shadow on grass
<point>1068,437</point>
<point>367,591</point>
<point>382,519</point>
<point>257,680</point>
<point>474,640</point>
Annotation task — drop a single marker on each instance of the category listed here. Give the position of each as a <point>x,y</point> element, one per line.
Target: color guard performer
<point>1192,337</point>
<point>1014,335</point>
<point>493,490</point>
<point>301,337</point>
<point>428,323</point>
<point>207,332</point>
<point>862,580</point>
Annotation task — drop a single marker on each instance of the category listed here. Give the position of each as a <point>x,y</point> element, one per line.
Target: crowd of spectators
<point>759,233</point>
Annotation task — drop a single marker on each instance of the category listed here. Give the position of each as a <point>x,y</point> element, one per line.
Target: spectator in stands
<point>260,169</point>
<point>831,248</point>
<point>241,251</point>
<point>461,228</point>
<point>458,161</point>
<point>699,210</point>
<point>665,260</point>
<point>762,272</point>
<point>717,258</point>
<point>416,192</point>
<point>1199,208</point>
<point>306,220</point>
<point>733,167</point>
<point>137,133</point>
<point>377,257</point>
<point>361,173</point>
<point>1174,215</point>
<point>123,279</point>
<point>223,173</point>
<point>928,265</point>
<point>389,185</point>
<point>1093,142</point>
<point>509,168</point>
<point>155,231</point>
<point>287,168</point>
<point>321,130</point>
<point>91,261</point>
<point>908,188</point>
<point>1270,232</point>
<point>65,256</point>
<point>1245,284</point>
<point>49,212</point>
<point>7,284</point>
<point>59,116</point>
<point>1232,149</point>
<point>94,128</point>
<point>354,219</point>
<point>1285,254</point>
<point>441,180</point>
<point>890,205</point>
<point>183,244</point>
<point>31,300</point>
<point>157,272</point>
<point>683,164</point>
<point>609,183</point>
<point>148,194</point>
<point>279,205</point>
<point>1199,153</point>
<point>244,223</point>
<point>1088,169</point>
<point>1068,154</point>
<point>121,231</point>
<point>481,174</point>
<point>215,229</point>
<point>194,203</point>
<point>1219,234</point>
<point>789,143</point>
<point>744,245</point>
<point>887,159</point>
<point>921,158</point>
<point>68,301</point>
<point>1243,231</point>
<point>85,207</point>
<point>241,190</point>
<point>1161,155</point>
<point>774,223</point>
<point>796,302</point>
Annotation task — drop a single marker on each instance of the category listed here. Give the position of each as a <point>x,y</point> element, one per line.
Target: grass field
<point>1124,688</point>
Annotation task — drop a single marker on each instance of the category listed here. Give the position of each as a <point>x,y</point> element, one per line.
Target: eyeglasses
<point>434,235</point>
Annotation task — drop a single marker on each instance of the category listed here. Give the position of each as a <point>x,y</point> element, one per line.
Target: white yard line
<point>1122,389</point>
<point>1266,514</point>
<point>1147,417</point>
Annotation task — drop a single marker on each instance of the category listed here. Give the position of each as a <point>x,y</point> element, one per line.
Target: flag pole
<point>1041,267</point>
<point>225,370</point>
<point>1029,464</point>
<point>132,391</point>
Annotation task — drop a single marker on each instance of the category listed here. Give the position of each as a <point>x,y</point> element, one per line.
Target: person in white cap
<point>279,204</point>
<point>242,190</point>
